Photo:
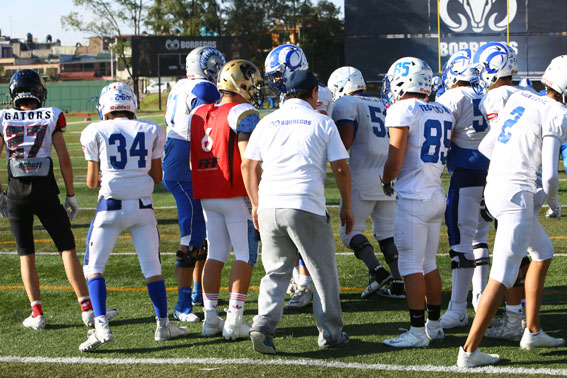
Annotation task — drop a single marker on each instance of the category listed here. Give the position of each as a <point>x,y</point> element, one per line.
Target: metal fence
<point>69,96</point>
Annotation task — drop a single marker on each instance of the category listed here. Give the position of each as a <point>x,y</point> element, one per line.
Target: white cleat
<point>236,328</point>
<point>301,298</point>
<point>101,334</point>
<point>476,358</point>
<point>414,338</point>
<point>167,331</point>
<point>510,329</point>
<point>291,287</point>
<point>183,317</point>
<point>454,319</point>
<point>434,330</point>
<point>212,326</point>
<point>36,323</point>
<point>88,316</point>
<point>539,340</point>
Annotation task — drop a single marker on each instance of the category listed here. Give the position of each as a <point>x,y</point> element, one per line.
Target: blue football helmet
<point>280,63</point>
<point>490,62</point>
<point>457,68</point>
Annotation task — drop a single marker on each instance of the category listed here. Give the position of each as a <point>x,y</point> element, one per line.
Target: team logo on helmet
<point>478,14</point>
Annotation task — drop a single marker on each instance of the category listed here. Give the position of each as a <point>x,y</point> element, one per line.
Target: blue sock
<point>157,293</point>
<point>97,291</point>
<point>184,304</point>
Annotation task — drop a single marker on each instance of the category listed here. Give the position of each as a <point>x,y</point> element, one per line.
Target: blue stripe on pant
<point>189,211</point>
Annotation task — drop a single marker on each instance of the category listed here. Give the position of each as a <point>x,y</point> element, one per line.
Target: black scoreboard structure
<point>165,55</point>
<point>378,32</point>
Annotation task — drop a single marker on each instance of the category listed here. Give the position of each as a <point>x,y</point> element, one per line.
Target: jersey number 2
<point>138,148</point>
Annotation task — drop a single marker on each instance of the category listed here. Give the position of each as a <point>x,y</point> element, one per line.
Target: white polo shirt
<point>294,144</point>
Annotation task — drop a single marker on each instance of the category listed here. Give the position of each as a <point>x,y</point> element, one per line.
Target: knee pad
<point>480,245</point>
<point>359,243</point>
<point>389,250</point>
<point>186,259</point>
<point>203,252</point>
<point>459,260</point>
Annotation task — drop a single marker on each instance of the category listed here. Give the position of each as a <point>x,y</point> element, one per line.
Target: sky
<point>43,17</point>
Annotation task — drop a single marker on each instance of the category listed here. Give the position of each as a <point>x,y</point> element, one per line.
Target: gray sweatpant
<point>283,232</point>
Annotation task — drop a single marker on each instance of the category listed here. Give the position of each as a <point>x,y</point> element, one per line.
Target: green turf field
<point>134,352</point>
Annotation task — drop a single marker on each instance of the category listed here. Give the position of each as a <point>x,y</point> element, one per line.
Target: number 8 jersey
<point>124,148</point>
<point>429,136</point>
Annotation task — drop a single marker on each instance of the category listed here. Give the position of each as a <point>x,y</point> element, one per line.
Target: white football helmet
<point>490,62</point>
<point>457,68</point>
<point>280,63</point>
<point>555,75</point>
<point>525,83</point>
<point>204,63</point>
<point>436,83</point>
<point>116,97</point>
<point>406,75</point>
<point>345,80</point>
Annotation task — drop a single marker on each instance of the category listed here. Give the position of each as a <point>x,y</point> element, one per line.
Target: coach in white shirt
<point>294,144</point>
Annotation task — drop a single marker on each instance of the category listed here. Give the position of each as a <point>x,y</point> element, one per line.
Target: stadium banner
<point>165,55</point>
<point>378,32</point>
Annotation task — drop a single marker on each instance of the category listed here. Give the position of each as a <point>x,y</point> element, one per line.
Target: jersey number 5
<point>138,148</point>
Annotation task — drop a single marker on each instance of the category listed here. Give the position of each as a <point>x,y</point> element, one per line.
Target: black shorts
<point>52,216</point>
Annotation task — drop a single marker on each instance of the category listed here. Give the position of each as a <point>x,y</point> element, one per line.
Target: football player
<point>124,160</point>
<point>495,64</point>
<point>360,120</point>
<point>469,169</point>
<point>219,135</point>
<point>420,133</point>
<point>279,64</point>
<point>528,134</point>
<point>202,65</point>
<point>29,130</point>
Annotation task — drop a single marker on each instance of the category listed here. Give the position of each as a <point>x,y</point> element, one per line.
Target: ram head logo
<point>478,11</point>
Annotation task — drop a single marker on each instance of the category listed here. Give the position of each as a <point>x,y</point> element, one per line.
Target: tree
<point>322,38</point>
<point>188,17</point>
<point>108,19</point>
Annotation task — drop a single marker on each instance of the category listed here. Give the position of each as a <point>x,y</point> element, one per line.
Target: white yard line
<point>279,362</point>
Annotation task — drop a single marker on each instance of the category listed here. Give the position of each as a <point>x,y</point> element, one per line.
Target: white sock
<point>516,309</point>
<point>236,304</point>
<point>304,280</point>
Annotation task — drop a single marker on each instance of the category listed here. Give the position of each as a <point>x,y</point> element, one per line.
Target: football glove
<point>387,187</point>
<point>3,205</point>
<point>71,206</point>
<point>555,207</point>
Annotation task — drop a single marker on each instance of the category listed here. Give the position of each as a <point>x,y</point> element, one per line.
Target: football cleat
<point>456,316</point>
<point>510,329</point>
<point>236,328</point>
<point>394,290</point>
<point>292,287</point>
<point>212,326</point>
<point>167,331</point>
<point>539,340</point>
<point>101,334</point>
<point>434,330</point>
<point>414,338</point>
<point>36,323</point>
<point>197,296</point>
<point>378,278</point>
<point>88,316</point>
<point>337,344</point>
<point>186,317</point>
<point>476,358</point>
<point>262,343</point>
<point>301,298</point>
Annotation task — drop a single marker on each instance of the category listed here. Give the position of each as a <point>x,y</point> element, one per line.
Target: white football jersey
<point>369,150</point>
<point>325,100</point>
<point>124,148</point>
<point>494,100</point>
<point>518,137</point>
<point>179,107</point>
<point>470,125</point>
<point>28,133</point>
<point>430,126</point>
